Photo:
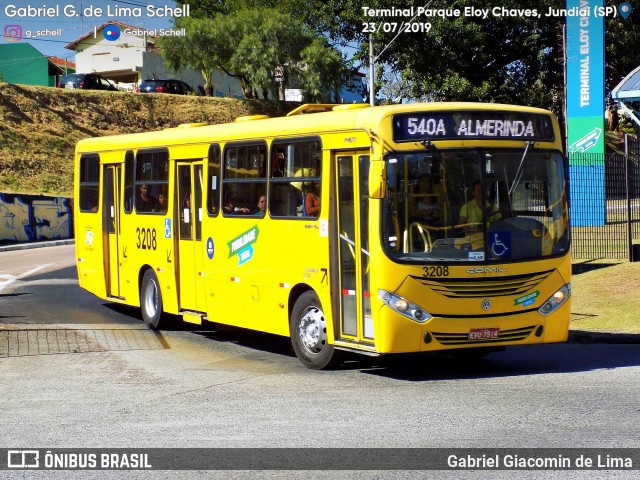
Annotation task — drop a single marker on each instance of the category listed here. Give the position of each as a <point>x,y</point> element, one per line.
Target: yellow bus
<point>376,230</point>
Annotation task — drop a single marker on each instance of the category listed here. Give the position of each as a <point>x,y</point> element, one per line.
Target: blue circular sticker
<point>210,248</point>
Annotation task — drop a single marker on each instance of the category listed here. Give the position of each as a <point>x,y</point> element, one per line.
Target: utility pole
<point>372,61</point>
<point>374,58</point>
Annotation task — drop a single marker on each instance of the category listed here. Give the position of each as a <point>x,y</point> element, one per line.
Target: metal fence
<point>613,182</point>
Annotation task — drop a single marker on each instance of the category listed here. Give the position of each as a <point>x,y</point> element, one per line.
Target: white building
<point>122,53</point>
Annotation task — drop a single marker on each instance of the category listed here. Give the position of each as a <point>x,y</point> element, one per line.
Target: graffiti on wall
<point>27,218</point>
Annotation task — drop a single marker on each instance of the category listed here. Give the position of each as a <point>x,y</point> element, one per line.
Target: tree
<point>250,44</point>
<point>321,71</point>
<point>508,57</point>
<point>205,8</point>
<point>511,57</point>
<point>264,40</point>
<point>199,49</point>
<point>622,48</point>
<point>393,87</point>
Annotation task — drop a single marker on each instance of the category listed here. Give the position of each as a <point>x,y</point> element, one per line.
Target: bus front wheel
<point>151,300</point>
<point>309,334</point>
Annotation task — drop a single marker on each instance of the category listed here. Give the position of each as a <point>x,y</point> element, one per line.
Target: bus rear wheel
<point>309,334</point>
<point>151,300</point>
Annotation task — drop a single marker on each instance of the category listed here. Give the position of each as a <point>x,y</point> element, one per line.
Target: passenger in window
<point>277,167</point>
<point>471,213</point>
<point>231,206</point>
<point>262,206</point>
<point>424,206</point>
<point>161,203</point>
<point>145,202</point>
<point>312,200</point>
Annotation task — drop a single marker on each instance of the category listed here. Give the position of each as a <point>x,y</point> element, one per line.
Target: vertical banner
<point>585,112</point>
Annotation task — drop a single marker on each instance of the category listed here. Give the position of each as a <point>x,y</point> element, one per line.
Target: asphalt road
<point>79,372</point>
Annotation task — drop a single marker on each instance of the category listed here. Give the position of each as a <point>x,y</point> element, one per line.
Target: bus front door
<point>111,227</point>
<point>190,249</point>
<point>352,232</point>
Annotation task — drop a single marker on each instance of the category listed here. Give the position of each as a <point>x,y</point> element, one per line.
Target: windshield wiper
<point>520,171</point>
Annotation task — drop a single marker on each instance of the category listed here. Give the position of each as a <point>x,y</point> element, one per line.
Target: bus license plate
<point>484,333</point>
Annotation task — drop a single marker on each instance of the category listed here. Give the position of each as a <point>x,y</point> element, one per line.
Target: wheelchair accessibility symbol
<point>167,228</point>
<point>501,244</point>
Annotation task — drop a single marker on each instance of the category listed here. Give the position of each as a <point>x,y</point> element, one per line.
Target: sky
<point>67,20</point>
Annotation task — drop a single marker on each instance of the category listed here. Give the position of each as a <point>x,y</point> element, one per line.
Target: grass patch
<point>606,298</point>
<point>41,125</point>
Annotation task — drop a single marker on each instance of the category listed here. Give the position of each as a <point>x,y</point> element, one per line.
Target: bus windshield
<point>475,205</point>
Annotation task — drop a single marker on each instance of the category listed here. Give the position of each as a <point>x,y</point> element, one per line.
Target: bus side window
<point>88,199</point>
<point>151,178</point>
<point>89,183</point>
<point>278,163</point>
<point>295,175</point>
<point>213,185</point>
<point>284,200</point>
<point>128,182</point>
<point>244,178</point>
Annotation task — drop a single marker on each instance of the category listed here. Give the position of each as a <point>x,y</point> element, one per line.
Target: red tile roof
<point>61,62</point>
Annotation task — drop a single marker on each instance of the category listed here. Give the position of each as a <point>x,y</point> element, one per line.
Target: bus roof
<point>323,118</point>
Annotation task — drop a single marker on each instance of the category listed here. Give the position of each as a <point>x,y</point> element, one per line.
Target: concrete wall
<point>28,218</point>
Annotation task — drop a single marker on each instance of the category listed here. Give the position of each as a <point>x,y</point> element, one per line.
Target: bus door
<point>352,232</point>
<point>188,218</point>
<point>111,227</point>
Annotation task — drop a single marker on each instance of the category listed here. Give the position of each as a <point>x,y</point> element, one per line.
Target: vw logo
<point>486,304</point>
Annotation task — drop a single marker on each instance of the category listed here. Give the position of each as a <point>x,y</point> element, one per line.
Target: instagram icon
<point>13,33</point>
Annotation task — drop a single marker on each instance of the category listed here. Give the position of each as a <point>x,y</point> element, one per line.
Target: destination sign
<point>472,125</point>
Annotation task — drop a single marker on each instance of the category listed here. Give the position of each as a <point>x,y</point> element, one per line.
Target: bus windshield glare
<point>475,205</point>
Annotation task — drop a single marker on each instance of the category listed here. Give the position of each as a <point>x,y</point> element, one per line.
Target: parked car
<point>165,86</point>
<point>88,81</point>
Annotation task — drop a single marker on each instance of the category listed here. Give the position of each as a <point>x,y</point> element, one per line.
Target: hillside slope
<point>40,126</point>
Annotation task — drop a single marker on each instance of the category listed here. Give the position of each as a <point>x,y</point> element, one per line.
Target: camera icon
<point>12,33</point>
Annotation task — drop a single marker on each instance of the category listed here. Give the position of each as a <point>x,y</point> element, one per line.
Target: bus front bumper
<point>398,334</point>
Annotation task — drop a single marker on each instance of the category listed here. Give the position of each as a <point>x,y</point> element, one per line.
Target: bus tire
<point>309,334</point>
<point>151,300</point>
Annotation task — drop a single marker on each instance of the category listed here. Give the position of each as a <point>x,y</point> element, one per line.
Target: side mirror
<point>377,178</point>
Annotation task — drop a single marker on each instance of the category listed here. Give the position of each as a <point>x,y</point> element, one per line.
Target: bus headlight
<point>555,300</point>
<point>404,307</point>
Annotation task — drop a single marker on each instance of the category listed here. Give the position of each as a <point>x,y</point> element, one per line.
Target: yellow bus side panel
<point>143,245</point>
<point>90,260</point>
<point>256,266</point>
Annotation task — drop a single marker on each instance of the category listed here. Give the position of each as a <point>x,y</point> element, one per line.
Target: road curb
<point>619,338</point>
<point>30,245</point>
